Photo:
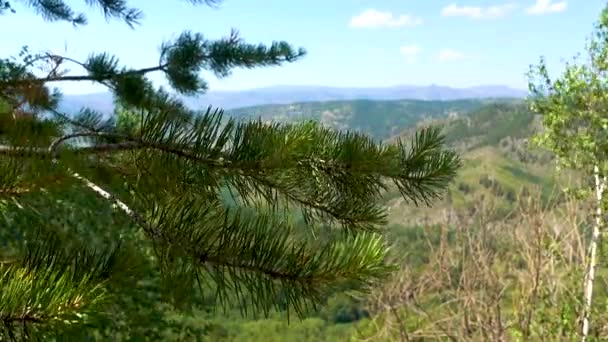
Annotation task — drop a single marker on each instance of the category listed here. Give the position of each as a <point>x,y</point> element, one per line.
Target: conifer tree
<point>210,196</point>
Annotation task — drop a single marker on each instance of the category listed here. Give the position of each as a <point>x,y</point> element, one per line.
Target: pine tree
<point>212,198</point>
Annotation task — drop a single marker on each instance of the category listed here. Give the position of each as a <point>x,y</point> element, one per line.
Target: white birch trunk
<point>135,216</point>
<point>600,184</point>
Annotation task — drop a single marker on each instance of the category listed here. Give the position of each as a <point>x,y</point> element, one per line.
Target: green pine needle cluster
<point>214,199</point>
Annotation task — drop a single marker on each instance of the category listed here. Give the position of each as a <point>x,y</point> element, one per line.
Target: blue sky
<point>350,43</point>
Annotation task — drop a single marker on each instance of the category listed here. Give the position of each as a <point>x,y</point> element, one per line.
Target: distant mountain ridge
<point>297,94</point>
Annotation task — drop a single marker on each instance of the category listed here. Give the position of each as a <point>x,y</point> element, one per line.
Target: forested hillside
<point>498,160</point>
<point>490,134</point>
<point>380,119</point>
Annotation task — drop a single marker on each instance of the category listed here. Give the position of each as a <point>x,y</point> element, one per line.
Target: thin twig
<point>135,216</point>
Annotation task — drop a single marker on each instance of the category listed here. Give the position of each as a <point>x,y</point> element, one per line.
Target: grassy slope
<point>467,191</point>
<point>498,163</point>
<point>491,136</point>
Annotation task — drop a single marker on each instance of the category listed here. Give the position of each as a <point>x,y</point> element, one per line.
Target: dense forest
<point>359,220</point>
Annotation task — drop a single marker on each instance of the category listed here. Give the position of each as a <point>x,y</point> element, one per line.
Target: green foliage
<point>573,107</point>
<point>163,204</point>
<point>574,113</point>
<point>59,289</point>
<point>341,309</point>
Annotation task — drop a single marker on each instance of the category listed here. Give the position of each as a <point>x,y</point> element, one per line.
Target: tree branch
<point>53,148</point>
<point>76,78</point>
<point>135,216</point>
<point>128,144</point>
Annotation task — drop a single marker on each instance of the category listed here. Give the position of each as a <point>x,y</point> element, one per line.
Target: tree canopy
<point>575,121</point>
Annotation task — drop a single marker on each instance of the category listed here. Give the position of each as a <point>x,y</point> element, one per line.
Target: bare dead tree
<point>501,277</point>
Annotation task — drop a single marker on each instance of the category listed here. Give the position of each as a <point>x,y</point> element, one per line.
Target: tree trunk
<point>600,184</point>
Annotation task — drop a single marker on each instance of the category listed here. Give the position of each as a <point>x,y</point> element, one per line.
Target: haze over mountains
<point>292,94</point>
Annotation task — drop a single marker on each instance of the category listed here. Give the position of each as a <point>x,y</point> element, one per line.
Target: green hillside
<point>491,136</point>
<point>381,119</point>
<point>498,162</point>
<point>498,167</point>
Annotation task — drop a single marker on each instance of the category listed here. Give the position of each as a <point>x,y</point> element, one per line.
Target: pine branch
<point>73,78</point>
<point>237,243</point>
<point>181,61</point>
<point>130,144</point>
<point>167,169</point>
<point>258,255</point>
<point>311,166</point>
<point>333,176</point>
<point>59,10</point>
<point>50,289</point>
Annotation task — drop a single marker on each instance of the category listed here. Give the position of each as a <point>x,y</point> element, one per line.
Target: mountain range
<point>292,94</point>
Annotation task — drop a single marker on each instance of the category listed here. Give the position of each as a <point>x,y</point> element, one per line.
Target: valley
<point>491,135</point>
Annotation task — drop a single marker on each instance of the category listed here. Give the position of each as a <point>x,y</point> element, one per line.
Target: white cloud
<point>372,18</point>
<point>411,52</point>
<point>546,6</point>
<point>447,55</point>
<point>477,12</point>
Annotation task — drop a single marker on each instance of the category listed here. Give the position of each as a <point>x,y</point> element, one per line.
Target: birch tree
<point>574,107</point>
